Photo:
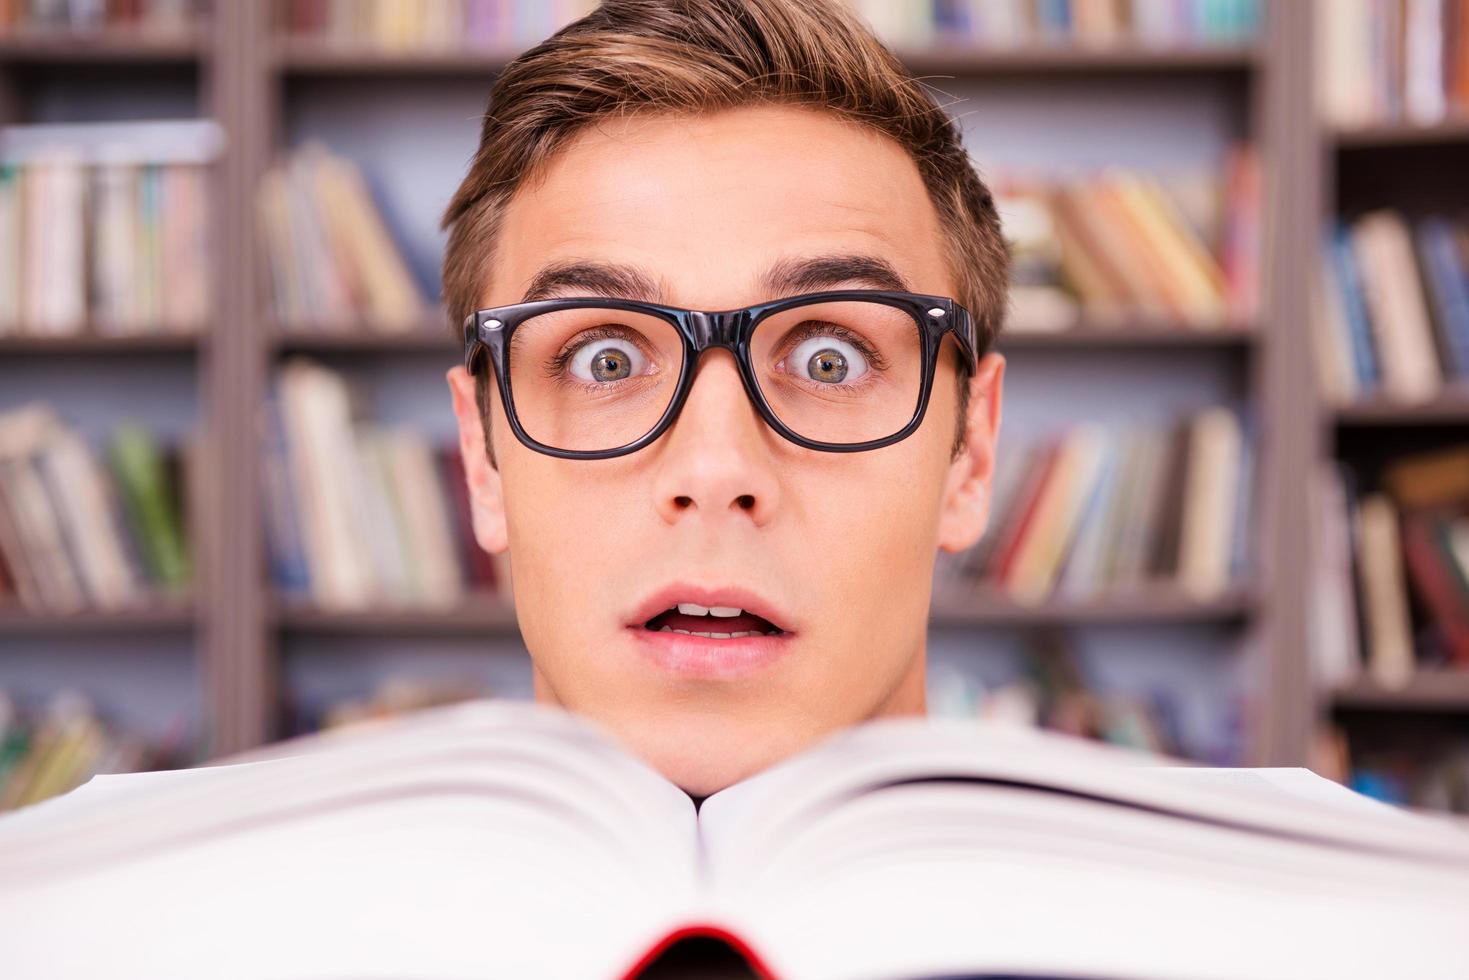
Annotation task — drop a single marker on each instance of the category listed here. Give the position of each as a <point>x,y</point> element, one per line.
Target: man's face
<point>836,548</point>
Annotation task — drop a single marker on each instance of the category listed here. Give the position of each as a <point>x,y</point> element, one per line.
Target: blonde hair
<point>698,56</point>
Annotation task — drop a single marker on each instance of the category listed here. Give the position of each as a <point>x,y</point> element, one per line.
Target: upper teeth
<point>694,609</point>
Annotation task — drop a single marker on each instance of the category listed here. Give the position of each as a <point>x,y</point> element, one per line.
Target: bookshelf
<point>267,90</point>
<point>1377,162</point>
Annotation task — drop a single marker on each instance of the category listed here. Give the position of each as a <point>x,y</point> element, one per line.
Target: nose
<point>716,460</point>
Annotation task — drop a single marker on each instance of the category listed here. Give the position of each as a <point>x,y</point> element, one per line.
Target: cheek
<point>874,528</point>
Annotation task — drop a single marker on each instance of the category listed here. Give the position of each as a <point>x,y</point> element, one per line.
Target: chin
<point>704,754</point>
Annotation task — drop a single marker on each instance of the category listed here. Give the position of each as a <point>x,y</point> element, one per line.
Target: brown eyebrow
<point>792,276</point>
<point>593,279</point>
<point>786,277</point>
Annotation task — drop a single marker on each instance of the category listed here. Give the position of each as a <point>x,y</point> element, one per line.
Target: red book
<point>1028,502</point>
<point>1436,579</point>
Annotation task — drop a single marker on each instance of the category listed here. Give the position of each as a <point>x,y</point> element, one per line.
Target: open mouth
<point>715,622</point>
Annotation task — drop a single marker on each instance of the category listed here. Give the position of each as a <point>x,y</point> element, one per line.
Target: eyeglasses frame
<point>934,316</point>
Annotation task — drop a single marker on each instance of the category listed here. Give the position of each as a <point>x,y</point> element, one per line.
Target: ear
<point>966,504</point>
<point>486,498</point>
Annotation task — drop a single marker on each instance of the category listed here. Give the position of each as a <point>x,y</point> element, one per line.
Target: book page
<point>921,847</point>
<point>488,837</point>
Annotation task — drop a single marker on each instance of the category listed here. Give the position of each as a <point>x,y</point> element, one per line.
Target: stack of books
<point>1085,23</point>
<point>497,25</point>
<point>333,262</point>
<point>1100,510</point>
<point>1393,60</point>
<point>1395,307</point>
<point>362,514</point>
<point>50,751</point>
<point>151,16</point>
<point>79,532</point>
<point>1120,248</point>
<point>1388,549</point>
<point>104,227</point>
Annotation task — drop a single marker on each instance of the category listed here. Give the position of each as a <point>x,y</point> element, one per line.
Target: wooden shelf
<point>1454,129</point>
<point>1151,605</point>
<point>311,56</point>
<point>478,614</point>
<point>143,619</point>
<point>420,339</point>
<point>103,46</point>
<point>1429,690</point>
<point>147,343</point>
<point>1159,337</point>
<point>1450,407</point>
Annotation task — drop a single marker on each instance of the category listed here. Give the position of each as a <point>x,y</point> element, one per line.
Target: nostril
<point>683,501</point>
<point>746,501</point>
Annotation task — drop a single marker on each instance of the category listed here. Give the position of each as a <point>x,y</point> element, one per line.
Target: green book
<point>152,507</point>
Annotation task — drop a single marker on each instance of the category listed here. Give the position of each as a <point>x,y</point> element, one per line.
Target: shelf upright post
<point>1291,152</point>
<point>239,665</point>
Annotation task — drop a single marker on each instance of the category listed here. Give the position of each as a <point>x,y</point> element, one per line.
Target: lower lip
<point>692,656</point>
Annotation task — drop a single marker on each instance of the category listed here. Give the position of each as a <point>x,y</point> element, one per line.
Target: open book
<point>510,839</point>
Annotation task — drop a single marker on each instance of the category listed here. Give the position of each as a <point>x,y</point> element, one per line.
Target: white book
<point>1210,491</point>
<point>513,839</point>
<point>1384,591</point>
<point>1336,656</point>
<point>1396,306</point>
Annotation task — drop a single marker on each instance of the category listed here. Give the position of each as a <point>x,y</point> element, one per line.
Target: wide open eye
<point>606,360</point>
<point>826,359</point>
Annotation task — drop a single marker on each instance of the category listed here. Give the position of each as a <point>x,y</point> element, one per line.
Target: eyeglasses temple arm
<point>471,340</point>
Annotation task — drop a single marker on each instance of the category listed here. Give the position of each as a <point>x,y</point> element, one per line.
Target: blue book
<point>1244,500</point>
<point>1053,17</point>
<point>1447,282</point>
<point>285,550</point>
<point>1354,304</point>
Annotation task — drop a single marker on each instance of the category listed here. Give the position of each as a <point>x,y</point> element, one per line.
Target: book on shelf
<point>1395,313</point>
<point>79,530</point>
<point>332,260</point>
<point>1406,540</point>
<point>359,514</point>
<point>52,748</point>
<point>914,24</point>
<point>1392,60</point>
<point>1119,248</point>
<point>501,25</point>
<point>155,17</point>
<point>1093,510</point>
<point>516,839</point>
<point>1334,625</point>
<point>105,227</point>
<point>492,25</point>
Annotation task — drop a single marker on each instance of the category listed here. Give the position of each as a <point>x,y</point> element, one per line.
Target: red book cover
<point>1007,549</point>
<point>1437,582</point>
<point>756,964</point>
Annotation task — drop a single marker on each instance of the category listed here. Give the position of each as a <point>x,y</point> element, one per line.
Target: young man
<point>722,529</point>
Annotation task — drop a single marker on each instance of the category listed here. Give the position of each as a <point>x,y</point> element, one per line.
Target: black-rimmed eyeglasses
<point>839,371</point>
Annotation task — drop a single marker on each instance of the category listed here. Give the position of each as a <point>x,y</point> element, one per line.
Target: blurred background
<point>1232,503</point>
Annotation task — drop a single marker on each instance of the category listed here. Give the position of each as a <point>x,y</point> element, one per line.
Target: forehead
<point>707,203</point>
